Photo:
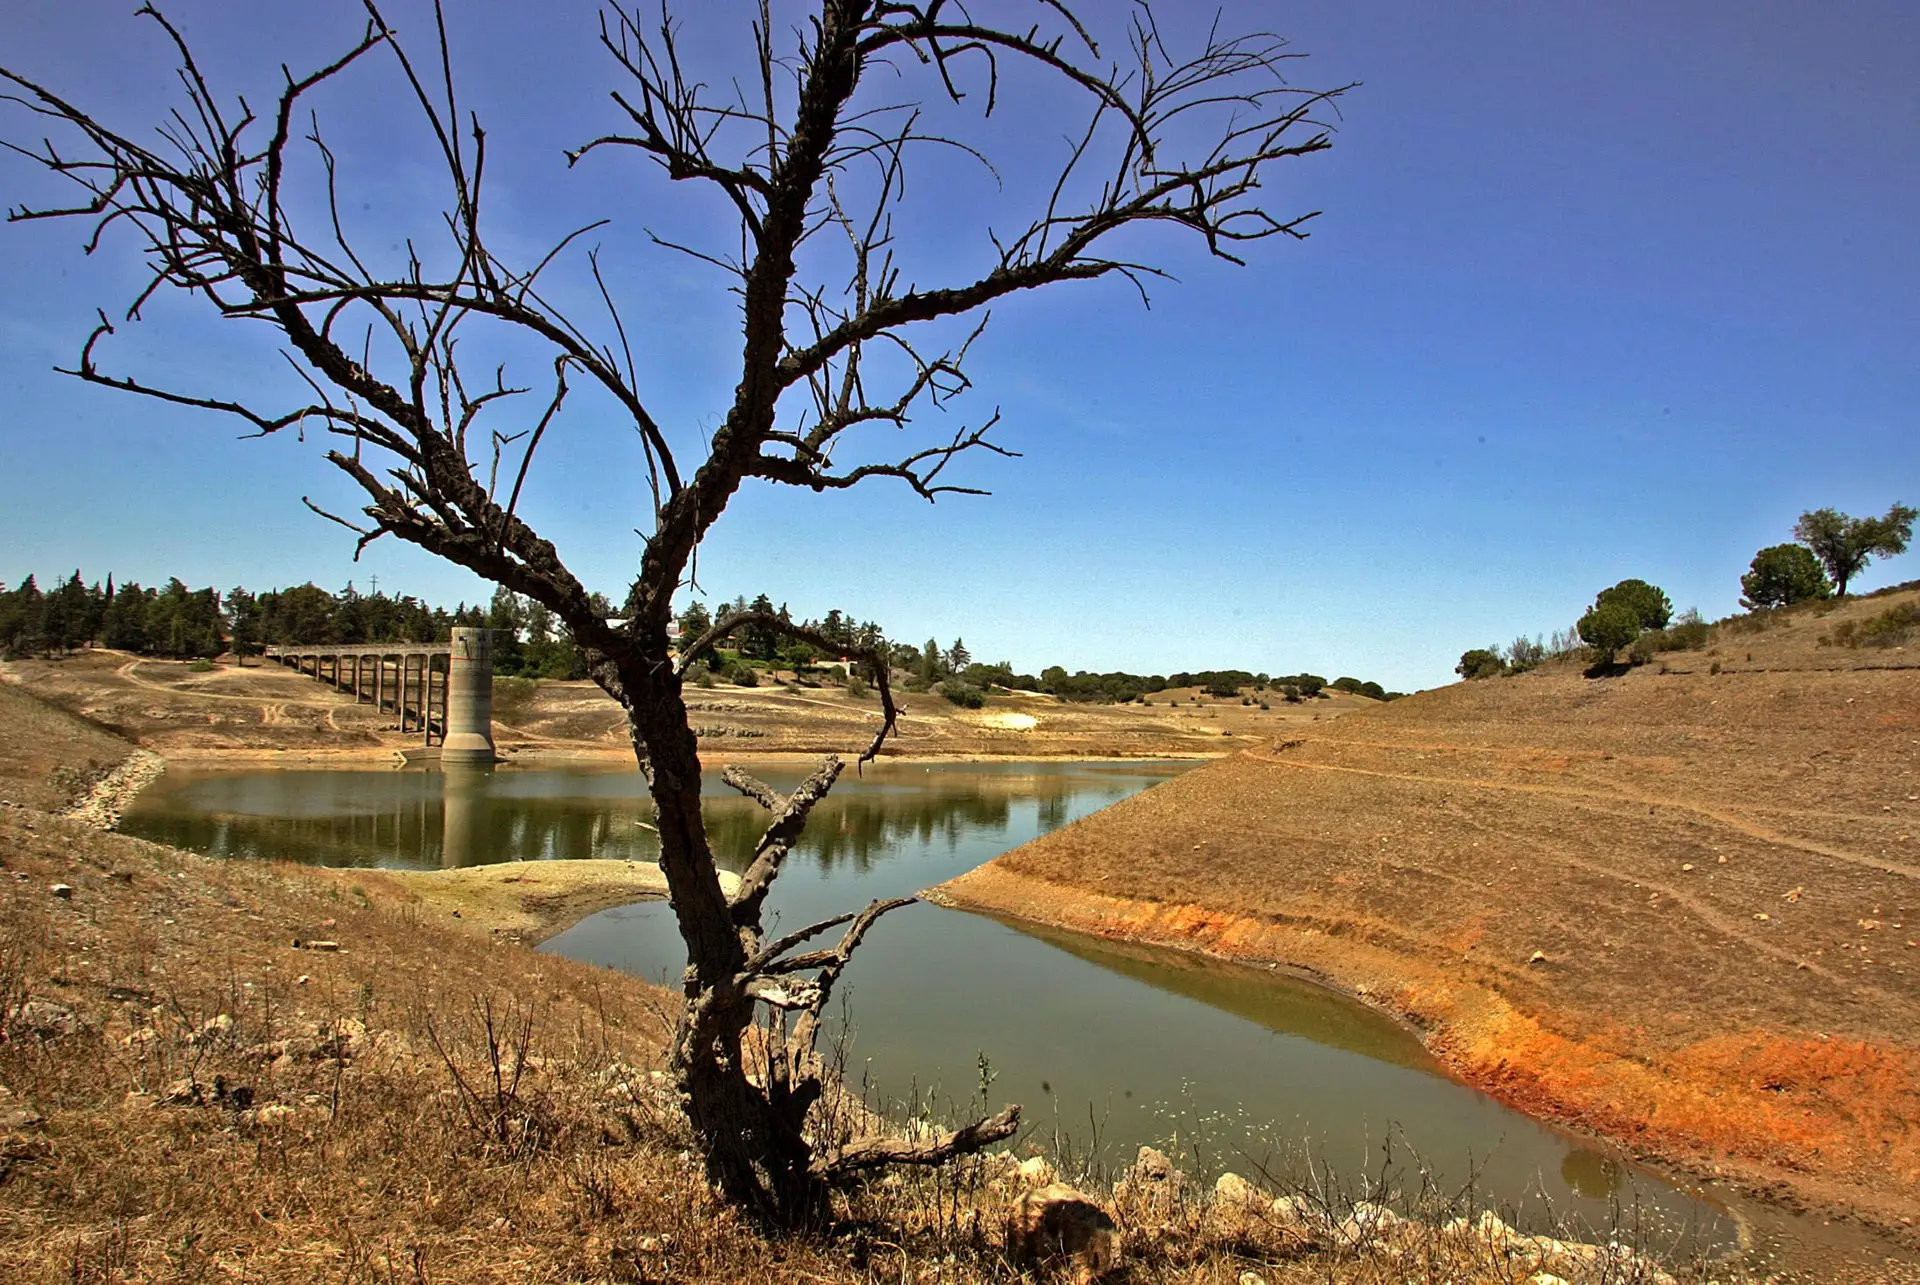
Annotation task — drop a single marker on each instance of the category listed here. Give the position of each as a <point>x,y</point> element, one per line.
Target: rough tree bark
<point>811,154</point>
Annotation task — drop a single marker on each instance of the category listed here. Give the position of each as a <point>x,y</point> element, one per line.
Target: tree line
<point>952,670</point>
<point>177,622</point>
<point>182,623</point>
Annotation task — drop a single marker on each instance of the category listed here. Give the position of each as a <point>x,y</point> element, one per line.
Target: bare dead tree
<point>810,149</point>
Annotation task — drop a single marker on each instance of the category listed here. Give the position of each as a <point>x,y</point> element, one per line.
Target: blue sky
<point>1598,291</point>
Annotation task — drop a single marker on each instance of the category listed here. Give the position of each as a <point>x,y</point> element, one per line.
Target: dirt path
<point>203,691</point>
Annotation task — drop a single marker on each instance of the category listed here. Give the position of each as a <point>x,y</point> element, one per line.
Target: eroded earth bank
<point>1677,907</point>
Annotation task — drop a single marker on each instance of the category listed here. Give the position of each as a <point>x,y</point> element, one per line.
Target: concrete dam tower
<point>469,737</point>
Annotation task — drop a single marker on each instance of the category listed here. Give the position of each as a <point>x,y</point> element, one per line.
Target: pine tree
<point>125,626</point>
<point>762,642</point>
<point>22,620</point>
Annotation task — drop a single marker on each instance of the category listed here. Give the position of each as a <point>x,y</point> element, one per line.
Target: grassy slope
<point>1680,907</point>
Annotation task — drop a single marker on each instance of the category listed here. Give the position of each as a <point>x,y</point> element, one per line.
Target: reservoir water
<point>1106,1047</point>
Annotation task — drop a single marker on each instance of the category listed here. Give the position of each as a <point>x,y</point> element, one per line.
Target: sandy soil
<point>528,901</point>
<point>1678,908</point>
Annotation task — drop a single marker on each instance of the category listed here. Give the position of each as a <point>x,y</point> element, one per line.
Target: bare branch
<point>753,787</point>
<point>789,819</point>
<point>881,1150</point>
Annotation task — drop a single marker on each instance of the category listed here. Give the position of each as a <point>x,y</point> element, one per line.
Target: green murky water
<point>1106,1047</point>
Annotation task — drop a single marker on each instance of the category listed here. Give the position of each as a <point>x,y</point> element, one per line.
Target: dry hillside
<point>224,711</point>
<point>1679,906</point>
<point>250,1071</point>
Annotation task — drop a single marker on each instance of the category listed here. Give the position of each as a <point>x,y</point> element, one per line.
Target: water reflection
<point>462,790</point>
<point>1593,1174</point>
<point>465,816</point>
<point>1279,1002</point>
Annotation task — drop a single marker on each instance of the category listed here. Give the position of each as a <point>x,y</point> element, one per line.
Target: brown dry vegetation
<point>262,710</point>
<point>187,1094</point>
<point>1680,907</point>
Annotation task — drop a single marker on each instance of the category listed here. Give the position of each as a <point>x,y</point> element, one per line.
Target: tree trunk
<point>752,1136</point>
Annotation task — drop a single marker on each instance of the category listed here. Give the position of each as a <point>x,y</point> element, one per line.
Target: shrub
<point>856,686</point>
<point>963,694</point>
<point>1755,622</point>
<point>744,676</point>
<point>513,697</point>
<point>1481,662</point>
<point>1563,642</point>
<point>201,666</point>
<point>1523,653</point>
<point>1687,633</point>
<point>1892,628</point>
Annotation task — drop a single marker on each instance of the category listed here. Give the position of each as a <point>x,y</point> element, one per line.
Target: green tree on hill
<point>1608,627</point>
<point>64,621</point>
<point>1481,662</point>
<point>244,621</point>
<point>302,614</point>
<point>125,626</point>
<point>759,640</point>
<point>932,664</point>
<point>1781,575</point>
<point>23,618</point>
<point>694,621</point>
<point>1845,545</point>
<point>183,622</point>
<point>1648,603</point>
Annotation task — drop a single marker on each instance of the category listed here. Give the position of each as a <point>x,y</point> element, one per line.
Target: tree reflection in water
<point>478,816</point>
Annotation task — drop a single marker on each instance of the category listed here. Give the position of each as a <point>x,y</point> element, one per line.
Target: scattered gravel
<point>107,799</point>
